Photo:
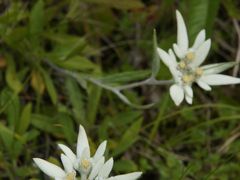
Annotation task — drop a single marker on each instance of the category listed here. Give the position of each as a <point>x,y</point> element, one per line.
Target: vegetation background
<point>42,104</point>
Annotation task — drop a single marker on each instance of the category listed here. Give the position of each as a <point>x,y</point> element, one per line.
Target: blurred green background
<point>42,104</point>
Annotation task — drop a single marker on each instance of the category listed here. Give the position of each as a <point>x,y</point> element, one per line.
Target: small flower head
<point>89,168</point>
<point>189,70</point>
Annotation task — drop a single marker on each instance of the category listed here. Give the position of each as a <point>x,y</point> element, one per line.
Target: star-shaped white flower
<point>82,161</point>
<point>102,171</point>
<point>196,54</point>
<point>56,172</point>
<point>187,70</point>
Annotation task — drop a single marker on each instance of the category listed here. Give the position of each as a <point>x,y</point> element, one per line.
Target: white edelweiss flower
<point>82,161</point>
<point>184,76</point>
<point>103,170</point>
<point>56,172</point>
<point>186,71</point>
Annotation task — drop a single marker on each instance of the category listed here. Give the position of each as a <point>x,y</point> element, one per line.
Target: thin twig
<point>236,68</point>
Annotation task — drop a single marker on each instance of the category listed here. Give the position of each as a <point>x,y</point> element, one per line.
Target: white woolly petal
<point>100,151</point>
<point>188,99</point>
<point>199,39</point>
<point>85,154</point>
<point>106,169</point>
<point>50,169</point>
<point>130,176</point>
<point>219,79</point>
<point>82,142</point>
<point>165,57</point>
<point>173,57</point>
<point>182,36</point>
<point>67,163</point>
<point>201,53</point>
<point>188,90</point>
<point>96,168</point>
<point>68,152</point>
<point>204,85</point>
<point>177,94</point>
<point>217,67</point>
<point>173,66</point>
<point>188,94</point>
<point>179,52</point>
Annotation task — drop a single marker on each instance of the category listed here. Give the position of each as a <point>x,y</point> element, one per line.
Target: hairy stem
<point>115,89</point>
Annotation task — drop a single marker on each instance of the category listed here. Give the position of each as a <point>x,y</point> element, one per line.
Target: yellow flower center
<point>199,71</point>
<point>190,56</point>
<point>85,163</point>
<point>71,176</point>
<point>182,65</point>
<point>188,79</point>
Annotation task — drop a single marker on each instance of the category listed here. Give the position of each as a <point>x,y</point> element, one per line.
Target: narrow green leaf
<point>94,95</point>
<point>25,119</point>
<point>77,63</point>
<point>11,76</point>
<point>8,136</point>
<point>162,109</point>
<point>13,112</point>
<point>125,77</point>
<point>66,46</point>
<point>67,127</point>
<point>202,15</point>
<point>37,19</point>
<point>198,14</point>
<point>212,13</point>
<point>77,100</point>
<point>46,124</point>
<point>50,86</point>
<point>156,58</point>
<point>128,138</point>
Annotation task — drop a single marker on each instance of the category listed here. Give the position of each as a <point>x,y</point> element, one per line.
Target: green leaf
<point>67,127</point>
<point>76,98</point>
<point>119,4</point>
<point>8,137</point>
<point>13,111</point>
<point>94,95</point>
<point>50,86</point>
<point>10,103</point>
<point>156,58</point>
<point>25,119</point>
<point>202,14</point>
<point>77,63</point>
<point>125,77</point>
<point>128,138</point>
<point>126,117</point>
<point>212,14</point>
<point>11,76</point>
<point>37,19</point>
<point>66,46</point>
<point>46,124</point>
<point>162,109</point>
